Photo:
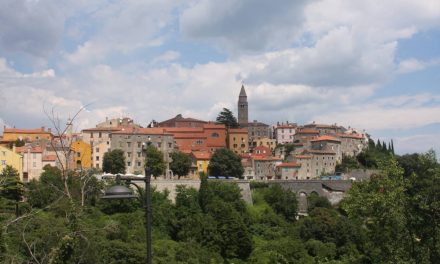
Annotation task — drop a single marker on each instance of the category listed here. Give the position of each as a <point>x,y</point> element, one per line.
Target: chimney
<point>42,128</point>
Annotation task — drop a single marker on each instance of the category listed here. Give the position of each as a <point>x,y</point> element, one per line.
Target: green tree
<point>225,162</point>
<point>180,164</point>
<point>348,163</point>
<point>227,118</point>
<point>282,201</point>
<point>11,187</point>
<point>154,161</point>
<point>114,162</point>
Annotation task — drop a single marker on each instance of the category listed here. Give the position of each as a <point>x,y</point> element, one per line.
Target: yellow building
<point>82,155</point>
<point>9,157</point>
<point>12,134</point>
<point>201,162</point>
<point>265,142</point>
<point>238,140</point>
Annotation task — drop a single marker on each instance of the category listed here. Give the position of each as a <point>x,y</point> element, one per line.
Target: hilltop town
<point>285,150</point>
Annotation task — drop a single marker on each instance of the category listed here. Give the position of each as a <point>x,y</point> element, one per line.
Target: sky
<point>373,65</point>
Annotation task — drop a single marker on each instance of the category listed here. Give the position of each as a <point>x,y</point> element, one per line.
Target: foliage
<point>227,118</point>
<point>348,163</point>
<point>180,164</point>
<point>225,162</point>
<point>315,201</point>
<point>154,161</point>
<point>282,201</point>
<point>114,162</point>
<point>11,186</point>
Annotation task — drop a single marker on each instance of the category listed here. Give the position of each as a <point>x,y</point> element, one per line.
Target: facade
<point>305,135</point>
<point>99,140</point>
<point>352,144</point>
<point>11,158</point>
<point>265,167</point>
<point>132,141</point>
<point>266,142</point>
<point>288,171</point>
<point>32,162</point>
<point>200,161</point>
<point>242,108</point>
<point>315,163</point>
<point>238,140</point>
<point>209,137</point>
<point>328,143</point>
<point>28,135</point>
<point>180,121</point>
<point>82,154</point>
<point>284,132</point>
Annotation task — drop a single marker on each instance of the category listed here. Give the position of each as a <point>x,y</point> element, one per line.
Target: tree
<point>11,187</point>
<point>227,118</point>
<point>114,162</point>
<point>282,201</point>
<point>225,162</point>
<point>154,161</point>
<point>181,163</point>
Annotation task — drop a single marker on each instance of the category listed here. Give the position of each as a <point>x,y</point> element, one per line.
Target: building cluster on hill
<point>283,151</point>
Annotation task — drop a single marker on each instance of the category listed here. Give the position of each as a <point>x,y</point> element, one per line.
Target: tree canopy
<point>114,162</point>
<point>227,118</point>
<point>154,161</point>
<point>180,164</point>
<point>225,162</point>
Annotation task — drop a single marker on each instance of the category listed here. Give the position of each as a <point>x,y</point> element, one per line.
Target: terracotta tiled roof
<point>49,158</point>
<point>26,131</point>
<point>180,118</point>
<point>289,164</point>
<point>262,150</point>
<point>307,131</point>
<point>201,155</point>
<point>25,149</point>
<point>326,138</point>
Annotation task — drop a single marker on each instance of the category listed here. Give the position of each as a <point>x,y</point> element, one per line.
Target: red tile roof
<point>49,158</point>
<point>265,158</point>
<point>307,131</point>
<point>201,155</point>
<point>302,156</point>
<point>26,131</point>
<point>355,136</point>
<point>25,149</point>
<point>289,164</point>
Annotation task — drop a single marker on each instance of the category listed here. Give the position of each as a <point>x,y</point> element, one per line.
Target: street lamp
<point>122,192</point>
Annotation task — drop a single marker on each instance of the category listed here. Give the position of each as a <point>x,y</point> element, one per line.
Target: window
<point>159,144</point>
<point>128,144</point>
<point>97,158</point>
<point>139,144</point>
<point>78,154</point>
<point>34,164</point>
<point>199,142</point>
<point>139,154</point>
<point>128,163</point>
<point>100,134</point>
<point>91,135</point>
<point>139,163</point>
<point>215,135</point>
<point>129,154</point>
<point>97,165</point>
<point>108,142</point>
<point>170,145</point>
<point>97,150</point>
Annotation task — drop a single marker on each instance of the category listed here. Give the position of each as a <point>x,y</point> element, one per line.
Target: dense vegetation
<point>393,218</point>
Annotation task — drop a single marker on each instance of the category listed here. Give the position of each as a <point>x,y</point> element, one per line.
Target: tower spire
<point>242,107</point>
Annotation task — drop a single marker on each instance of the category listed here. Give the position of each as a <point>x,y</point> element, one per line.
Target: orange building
<point>209,137</point>
<point>82,154</point>
<point>12,134</point>
<point>238,140</point>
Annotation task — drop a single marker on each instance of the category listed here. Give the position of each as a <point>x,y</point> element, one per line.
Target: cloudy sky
<point>373,65</point>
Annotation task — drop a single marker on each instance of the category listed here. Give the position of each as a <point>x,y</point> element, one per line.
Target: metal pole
<point>147,205</point>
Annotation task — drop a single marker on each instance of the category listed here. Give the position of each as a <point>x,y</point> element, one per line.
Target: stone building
<point>328,143</point>
<point>117,122</point>
<point>132,141</point>
<point>324,129</point>
<point>352,144</point>
<point>304,135</point>
<point>288,171</point>
<point>242,108</point>
<point>99,139</point>
<point>315,163</point>
<point>265,167</point>
<point>32,161</point>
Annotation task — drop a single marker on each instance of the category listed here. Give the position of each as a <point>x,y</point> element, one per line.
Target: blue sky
<point>373,65</point>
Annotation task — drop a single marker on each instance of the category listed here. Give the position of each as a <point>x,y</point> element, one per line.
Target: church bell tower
<point>242,107</point>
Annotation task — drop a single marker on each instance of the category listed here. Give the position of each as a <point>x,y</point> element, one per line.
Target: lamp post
<point>122,192</point>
